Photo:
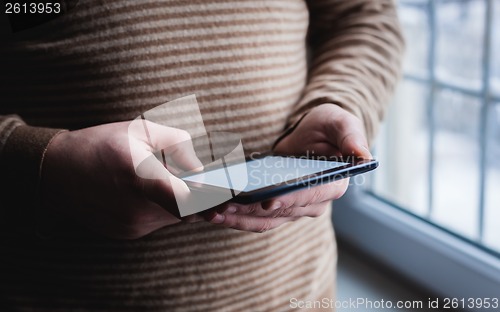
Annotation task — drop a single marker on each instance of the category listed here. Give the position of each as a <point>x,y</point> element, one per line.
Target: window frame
<point>434,259</point>
<point>484,95</point>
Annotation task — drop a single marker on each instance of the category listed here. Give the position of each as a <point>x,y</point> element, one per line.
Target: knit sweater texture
<point>256,67</point>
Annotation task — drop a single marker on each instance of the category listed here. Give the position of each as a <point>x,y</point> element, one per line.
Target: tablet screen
<point>259,173</point>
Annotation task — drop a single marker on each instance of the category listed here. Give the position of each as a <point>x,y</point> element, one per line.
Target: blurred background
<point>440,147</point>
<point>431,212</point>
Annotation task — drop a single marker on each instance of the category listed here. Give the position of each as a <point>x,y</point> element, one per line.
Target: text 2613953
<point>32,8</point>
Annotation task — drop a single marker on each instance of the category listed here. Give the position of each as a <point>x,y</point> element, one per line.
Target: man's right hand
<point>91,176</point>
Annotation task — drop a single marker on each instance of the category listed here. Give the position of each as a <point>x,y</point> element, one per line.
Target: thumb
<point>355,144</point>
<point>146,138</point>
<point>349,135</point>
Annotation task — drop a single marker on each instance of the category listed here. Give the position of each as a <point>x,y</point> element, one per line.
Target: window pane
<point>492,195</point>
<point>415,22</point>
<point>456,166</point>
<point>403,146</point>
<point>460,27</point>
<point>403,150</point>
<point>495,47</point>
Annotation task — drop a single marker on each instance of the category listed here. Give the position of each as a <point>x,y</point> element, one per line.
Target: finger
<point>347,132</point>
<point>245,209</point>
<point>355,144</point>
<point>146,137</point>
<point>317,194</point>
<point>314,210</point>
<point>248,223</point>
<point>181,157</point>
<point>301,198</point>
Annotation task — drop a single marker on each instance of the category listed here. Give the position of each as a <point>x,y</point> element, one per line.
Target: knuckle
<point>265,226</point>
<point>287,201</point>
<point>326,109</point>
<point>251,209</point>
<point>315,196</point>
<point>235,223</point>
<point>284,213</point>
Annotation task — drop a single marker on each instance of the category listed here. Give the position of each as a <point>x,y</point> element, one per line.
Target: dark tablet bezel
<point>353,167</point>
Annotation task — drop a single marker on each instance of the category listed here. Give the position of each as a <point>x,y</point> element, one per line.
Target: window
<point>441,144</point>
<point>432,209</point>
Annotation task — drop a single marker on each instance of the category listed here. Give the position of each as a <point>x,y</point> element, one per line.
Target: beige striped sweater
<point>108,61</point>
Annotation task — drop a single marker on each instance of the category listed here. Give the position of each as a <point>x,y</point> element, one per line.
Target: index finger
<point>312,195</point>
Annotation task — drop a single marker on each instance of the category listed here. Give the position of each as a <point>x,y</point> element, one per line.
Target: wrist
<point>20,168</point>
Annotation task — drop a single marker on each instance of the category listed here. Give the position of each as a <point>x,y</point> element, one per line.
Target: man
<point>112,245</point>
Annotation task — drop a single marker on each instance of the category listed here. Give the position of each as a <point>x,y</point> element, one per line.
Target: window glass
<point>403,150</point>
<point>460,34</point>
<point>456,183</point>
<point>492,191</point>
<point>495,48</point>
<point>414,19</point>
<point>440,128</point>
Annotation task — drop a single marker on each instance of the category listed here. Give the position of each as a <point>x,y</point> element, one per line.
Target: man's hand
<point>108,179</point>
<point>327,130</point>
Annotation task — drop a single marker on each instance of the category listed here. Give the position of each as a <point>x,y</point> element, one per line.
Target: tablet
<point>262,178</point>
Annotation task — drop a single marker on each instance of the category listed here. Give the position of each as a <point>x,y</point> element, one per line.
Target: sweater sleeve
<point>22,148</point>
<point>356,51</point>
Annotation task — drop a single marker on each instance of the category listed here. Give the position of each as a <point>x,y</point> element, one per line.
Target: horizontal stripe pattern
<point>108,61</point>
<point>358,65</point>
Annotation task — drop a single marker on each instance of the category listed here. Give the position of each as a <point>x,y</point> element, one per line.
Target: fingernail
<point>231,209</point>
<point>276,205</point>
<point>367,150</point>
<point>218,218</point>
